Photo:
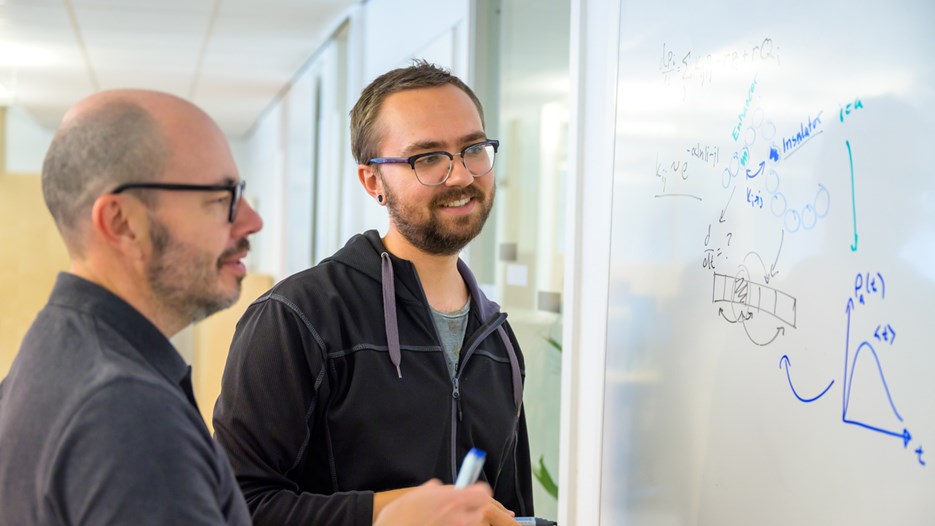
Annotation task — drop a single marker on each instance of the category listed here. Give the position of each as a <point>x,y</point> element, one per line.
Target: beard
<point>184,280</point>
<point>431,235</point>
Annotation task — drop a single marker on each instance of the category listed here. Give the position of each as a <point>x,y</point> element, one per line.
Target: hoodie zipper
<point>456,412</point>
<point>456,394</point>
<point>478,336</point>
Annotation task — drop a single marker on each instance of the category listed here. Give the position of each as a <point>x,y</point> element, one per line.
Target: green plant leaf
<point>542,475</point>
<point>554,343</point>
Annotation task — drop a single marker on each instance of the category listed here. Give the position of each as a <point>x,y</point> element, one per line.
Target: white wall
<point>262,168</point>
<point>300,135</point>
<point>396,31</point>
<point>331,146</point>
<point>298,109</point>
<point>26,142</point>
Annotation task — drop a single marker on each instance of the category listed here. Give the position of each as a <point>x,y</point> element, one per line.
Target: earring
<point>380,198</point>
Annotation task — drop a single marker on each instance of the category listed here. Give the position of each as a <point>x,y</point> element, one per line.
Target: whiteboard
<point>772,285</point>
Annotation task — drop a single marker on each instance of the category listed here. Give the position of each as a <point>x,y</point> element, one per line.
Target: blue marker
<point>470,468</point>
<point>534,521</point>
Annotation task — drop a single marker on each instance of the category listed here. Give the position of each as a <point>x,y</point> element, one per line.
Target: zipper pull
<point>456,394</point>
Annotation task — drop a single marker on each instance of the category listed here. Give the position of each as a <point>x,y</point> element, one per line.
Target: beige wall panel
<point>212,342</point>
<point>31,255</point>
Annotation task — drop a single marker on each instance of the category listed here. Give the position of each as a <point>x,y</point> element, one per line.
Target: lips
<point>459,202</point>
<point>234,259</point>
<point>233,255</point>
<point>457,198</point>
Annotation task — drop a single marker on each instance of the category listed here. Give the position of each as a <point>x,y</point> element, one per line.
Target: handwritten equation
<point>691,66</point>
<point>757,167</point>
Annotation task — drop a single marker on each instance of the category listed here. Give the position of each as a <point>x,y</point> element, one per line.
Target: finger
<point>431,483</point>
<point>484,486</point>
<point>498,516</point>
<point>479,493</point>
<point>501,507</point>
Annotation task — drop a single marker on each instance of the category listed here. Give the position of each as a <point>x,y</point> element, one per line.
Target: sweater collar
<point>76,293</point>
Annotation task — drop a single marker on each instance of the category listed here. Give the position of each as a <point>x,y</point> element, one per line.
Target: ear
<point>372,182</point>
<point>121,223</point>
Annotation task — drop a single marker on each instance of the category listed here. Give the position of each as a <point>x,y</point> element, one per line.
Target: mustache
<point>242,245</point>
<point>458,193</point>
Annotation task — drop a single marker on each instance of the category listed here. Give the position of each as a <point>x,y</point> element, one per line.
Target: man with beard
<point>98,422</point>
<point>352,381</point>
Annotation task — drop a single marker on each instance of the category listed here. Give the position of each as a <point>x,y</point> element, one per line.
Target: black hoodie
<point>336,386</point>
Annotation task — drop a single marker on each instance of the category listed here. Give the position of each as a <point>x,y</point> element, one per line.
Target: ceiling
<point>231,57</point>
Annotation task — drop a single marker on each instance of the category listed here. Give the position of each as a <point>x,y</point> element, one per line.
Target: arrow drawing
<point>744,316</point>
<point>779,330</point>
<point>758,172</point>
<point>772,268</point>
<point>724,210</point>
<point>850,158</point>
<point>849,368</point>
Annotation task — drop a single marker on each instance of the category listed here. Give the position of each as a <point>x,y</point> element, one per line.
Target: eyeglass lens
<point>236,195</point>
<point>434,169</point>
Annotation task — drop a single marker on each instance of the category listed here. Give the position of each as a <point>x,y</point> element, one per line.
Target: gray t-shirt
<point>98,423</point>
<point>451,327</point>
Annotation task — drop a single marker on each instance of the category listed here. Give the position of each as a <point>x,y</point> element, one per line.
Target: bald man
<point>98,422</point>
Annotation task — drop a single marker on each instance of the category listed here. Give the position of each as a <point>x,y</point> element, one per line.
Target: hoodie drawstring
<point>389,312</point>
<point>392,332</point>
<point>514,366</point>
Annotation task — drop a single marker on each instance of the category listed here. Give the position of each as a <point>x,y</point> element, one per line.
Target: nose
<point>459,177</point>
<point>247,221</point>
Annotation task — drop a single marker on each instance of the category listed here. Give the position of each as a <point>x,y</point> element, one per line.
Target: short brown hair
<point>421,74</point>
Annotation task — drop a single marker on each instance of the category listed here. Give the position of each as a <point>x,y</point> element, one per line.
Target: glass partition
<point>523,79</point>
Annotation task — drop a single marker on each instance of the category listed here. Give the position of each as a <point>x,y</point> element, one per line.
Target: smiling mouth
<point>458,203</point>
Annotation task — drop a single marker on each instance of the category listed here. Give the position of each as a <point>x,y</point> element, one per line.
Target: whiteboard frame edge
<point>595,28</point>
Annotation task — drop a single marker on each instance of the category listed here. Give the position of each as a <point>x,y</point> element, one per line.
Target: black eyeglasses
<point>236,190</point>
<point>433,168</point>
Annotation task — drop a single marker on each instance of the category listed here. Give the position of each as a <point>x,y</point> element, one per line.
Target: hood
<point>363,252</point>
<point>367,254</point>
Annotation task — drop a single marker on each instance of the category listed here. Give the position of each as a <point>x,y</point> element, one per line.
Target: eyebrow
<point>227,181</point>
<point>436,145</point>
